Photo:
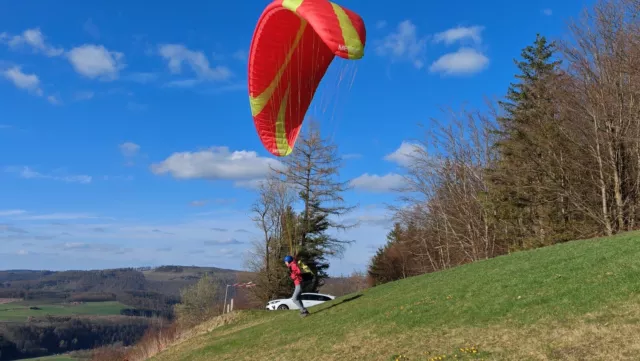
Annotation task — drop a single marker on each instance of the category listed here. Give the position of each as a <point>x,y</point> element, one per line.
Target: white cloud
<point>404,45</point>
<point>405,154</point>
<point>56,217</point>
<point>29,82</point>
<point>12,229</point>
<point>129,149</point>
<point>91,247</point>
<point>54,100</point>
<point>11,212</point>
<point>178,55</point>
<point>96,61</point>
<point>459,33</point>
<point>32,38</point>
<point>91,61</point>
<point>28,173</point>
<point>127,243</point>
<point>215,163</point>
<point>375,183</point>
<point>463,61</point>
<point>198,203</point>
<point>225,241</point>
<point>73,245</point>
<point>547,12</point>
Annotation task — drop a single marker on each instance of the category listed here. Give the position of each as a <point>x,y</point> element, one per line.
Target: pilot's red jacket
<point>295,275</point>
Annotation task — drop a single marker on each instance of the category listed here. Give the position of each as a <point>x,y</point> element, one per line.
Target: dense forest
<point>557,159</point>
<point>62,334</point>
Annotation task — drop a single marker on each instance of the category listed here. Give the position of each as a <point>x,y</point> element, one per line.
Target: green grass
<point>18,313</point>
<point>572,301</point>
<point>51,358</point>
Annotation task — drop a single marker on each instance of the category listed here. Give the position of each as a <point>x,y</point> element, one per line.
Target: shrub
<point>198,302</point>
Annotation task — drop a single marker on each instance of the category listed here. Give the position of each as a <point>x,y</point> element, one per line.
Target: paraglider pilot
<point>296,276</point>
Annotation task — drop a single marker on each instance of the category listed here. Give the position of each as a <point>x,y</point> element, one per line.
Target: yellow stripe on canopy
<point>349,33</point>
<point>281,126</point>
<point>292,5</point>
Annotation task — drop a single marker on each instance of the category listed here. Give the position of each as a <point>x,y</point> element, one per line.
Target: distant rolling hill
<point>45,312</point>
<point>148,288</point>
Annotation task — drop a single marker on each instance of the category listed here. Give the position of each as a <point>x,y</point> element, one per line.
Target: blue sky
<point>126,137</point>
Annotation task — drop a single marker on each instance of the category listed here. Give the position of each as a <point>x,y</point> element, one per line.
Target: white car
<point>308,300</point>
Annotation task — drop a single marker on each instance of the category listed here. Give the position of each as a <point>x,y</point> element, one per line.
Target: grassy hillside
<point>573,301</point>
<point>15,312</point>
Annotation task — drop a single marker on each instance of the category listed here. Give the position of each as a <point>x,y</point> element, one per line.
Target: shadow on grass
<point>340,303</point>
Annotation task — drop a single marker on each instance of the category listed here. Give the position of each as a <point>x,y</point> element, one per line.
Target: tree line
<point>557,159</point>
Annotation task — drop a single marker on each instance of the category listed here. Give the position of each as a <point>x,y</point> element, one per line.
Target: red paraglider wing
<point>293,45</point>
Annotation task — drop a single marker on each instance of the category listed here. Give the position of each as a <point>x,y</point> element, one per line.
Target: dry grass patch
<point>9,300</point>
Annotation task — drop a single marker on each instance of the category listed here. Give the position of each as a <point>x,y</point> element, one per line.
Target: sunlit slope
<point>573,301</point>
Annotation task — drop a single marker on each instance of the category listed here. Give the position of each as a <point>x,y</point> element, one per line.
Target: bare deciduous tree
<point>563,162</point>
<point>270,211</point>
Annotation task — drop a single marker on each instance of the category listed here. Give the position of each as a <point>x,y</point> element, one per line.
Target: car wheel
<point>283,307</point>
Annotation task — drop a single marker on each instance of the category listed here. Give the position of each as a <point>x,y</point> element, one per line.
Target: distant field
<point>51,358</point>
<point>8,300</point>
<point>18,313</point>
<point>188,274</point>
<point>37,302</point>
